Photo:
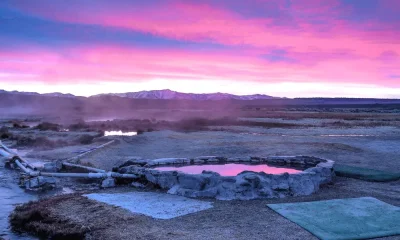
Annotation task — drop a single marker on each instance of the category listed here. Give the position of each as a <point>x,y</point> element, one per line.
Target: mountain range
<point>160,94</point>
<point>169,94</point>
<point>164,103</point>
<point>55,94</point>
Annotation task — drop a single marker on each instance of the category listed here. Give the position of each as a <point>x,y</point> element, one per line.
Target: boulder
<point>210,192</point>
<point>174,190</point>
<point>192,181</point>
<point>280,182</point>
<point>325,174</point>
<point>108,183</point>
<point>168,161</point>
<point>213,179</point>
<point>239,159</point>
<point>138,185</point>
<point>40,182</point>
<point>210,159</point>
<point>151,177</point>
<point>301,184</point>
<point>226,191</point>
<point>266,192</point>
<point>166,180</point>
<point>198,161</point>
<point>133,170</point>
<point>247,195</point>
<point>137,161</point>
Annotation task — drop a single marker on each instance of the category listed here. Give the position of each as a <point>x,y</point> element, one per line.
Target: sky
<point>286,48</point>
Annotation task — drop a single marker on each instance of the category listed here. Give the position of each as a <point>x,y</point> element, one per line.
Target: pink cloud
<point>193,21</point>
<point>323,45</point>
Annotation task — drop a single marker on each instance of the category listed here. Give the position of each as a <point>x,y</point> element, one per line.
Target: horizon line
<point>204,93</point>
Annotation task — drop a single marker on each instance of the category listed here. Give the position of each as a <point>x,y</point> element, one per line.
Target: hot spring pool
<point>119,133</point>
<point>237,177</point>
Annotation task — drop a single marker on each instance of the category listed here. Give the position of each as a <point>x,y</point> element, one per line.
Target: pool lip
<point>244,186</point>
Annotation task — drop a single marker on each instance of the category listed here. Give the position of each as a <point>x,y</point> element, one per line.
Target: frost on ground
<point>156,205</point>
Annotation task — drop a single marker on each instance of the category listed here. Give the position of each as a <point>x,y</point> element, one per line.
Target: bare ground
<point>367,146</point>
<point>227,220</point>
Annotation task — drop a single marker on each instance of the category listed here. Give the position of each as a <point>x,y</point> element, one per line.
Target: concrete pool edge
<point>245,186</point>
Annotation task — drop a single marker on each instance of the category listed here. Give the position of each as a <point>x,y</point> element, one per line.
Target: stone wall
<point>246,185</point>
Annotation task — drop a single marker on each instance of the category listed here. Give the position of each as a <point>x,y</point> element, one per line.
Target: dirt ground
<point>227,220</point>
<point>347,142</point>
<point>374,147</point>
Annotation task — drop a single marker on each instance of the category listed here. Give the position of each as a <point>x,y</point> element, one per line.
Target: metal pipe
<point>27,164</point>
<point>13,153</point>
<point>105,144</point>
<point>7,149</point>
<point>6,154</point>
<point>26,170</point>
<point>99,173</point>
<point>76,175</point>
<point>84,167</point>
<point>119,175</point>
<point>73,175</point>
<point>83,154</point>
<point>88,175</point>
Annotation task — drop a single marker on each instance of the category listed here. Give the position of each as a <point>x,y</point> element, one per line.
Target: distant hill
<point>56,94</point>
<point>128,105</point>
<point>169,94</point>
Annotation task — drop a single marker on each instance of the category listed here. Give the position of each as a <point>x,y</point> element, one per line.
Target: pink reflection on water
<point>231,169</point>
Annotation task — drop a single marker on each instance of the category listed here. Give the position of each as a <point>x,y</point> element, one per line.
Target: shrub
<point>100,134</point>
<point>4,133</point>
<point>78,126</point>
<point>27,141</point>
<point>16,124</point>
<point>45,126</point>
<point>139,131</point>
<point>39,219</point>
<point>86,139</point>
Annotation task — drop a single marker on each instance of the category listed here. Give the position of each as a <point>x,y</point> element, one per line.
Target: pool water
<point>11,195</point>
<point>231,169</point>
<point>119,133</point>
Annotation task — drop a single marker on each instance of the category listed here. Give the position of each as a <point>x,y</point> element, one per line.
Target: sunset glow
<point>301,48</point>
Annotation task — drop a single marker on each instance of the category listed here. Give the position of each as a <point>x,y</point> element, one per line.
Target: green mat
<point>365,173</point>
<point>353,218</point>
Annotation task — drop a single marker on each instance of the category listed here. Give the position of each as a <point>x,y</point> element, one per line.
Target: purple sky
<point>348,48</point>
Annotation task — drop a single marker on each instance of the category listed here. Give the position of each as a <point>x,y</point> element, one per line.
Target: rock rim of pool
<point>244,186</point>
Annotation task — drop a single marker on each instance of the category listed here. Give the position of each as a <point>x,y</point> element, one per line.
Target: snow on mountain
<point>57,94</point>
